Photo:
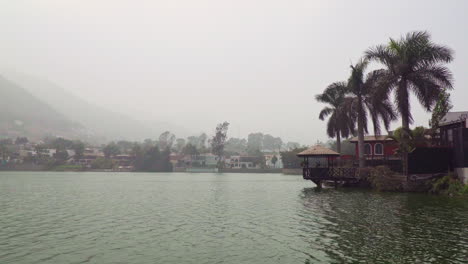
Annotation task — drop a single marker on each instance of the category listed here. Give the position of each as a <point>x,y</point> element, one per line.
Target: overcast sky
<point>195,63</point>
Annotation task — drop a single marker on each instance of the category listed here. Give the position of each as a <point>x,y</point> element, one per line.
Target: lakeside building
<point>194,161</point>
<point>87,159</point>
<point>454,134</point>
<point>378,150</point>
<point>48,152</point>
<point>24,153</point>
<point>89,155</point>
<point>71,153</point>
<point>243,162</point>
<point>377,147</point>
<point>176,160</point>
<point>210,160</point>
<point>124,162</point>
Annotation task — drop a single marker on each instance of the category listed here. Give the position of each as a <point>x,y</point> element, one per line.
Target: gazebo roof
<point>318,151</point>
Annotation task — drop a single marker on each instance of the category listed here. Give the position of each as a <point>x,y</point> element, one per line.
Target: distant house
<point>124,162</point>
<point>89,155</point>
<point>196,161</point>
<point>87,159</point>
<point>177,160</point>
<point>70,152</point>
<point>23,153</point>
<point>48,152</point>
<point>211,160</point>
<point>454,134</point>
<point>243,162</point>
<point>377,147</point>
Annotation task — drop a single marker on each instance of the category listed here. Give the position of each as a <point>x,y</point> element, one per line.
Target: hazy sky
<point>195,63</point>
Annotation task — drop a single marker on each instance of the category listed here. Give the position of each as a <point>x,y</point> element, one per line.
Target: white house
<point>242,162</point>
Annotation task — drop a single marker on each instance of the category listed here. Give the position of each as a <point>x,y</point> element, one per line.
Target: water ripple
<point>210,218</point>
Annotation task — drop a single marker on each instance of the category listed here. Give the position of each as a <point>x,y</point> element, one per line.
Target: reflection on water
<point>360,226</point>
<point>220,218</point>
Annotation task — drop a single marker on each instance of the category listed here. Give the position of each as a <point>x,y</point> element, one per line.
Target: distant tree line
<point>152,155</point>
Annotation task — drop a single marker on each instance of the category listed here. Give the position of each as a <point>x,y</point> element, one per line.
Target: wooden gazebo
<point>319,165</point>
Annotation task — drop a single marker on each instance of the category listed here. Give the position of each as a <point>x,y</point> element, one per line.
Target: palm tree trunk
<point>360,126</point>
<point>338,146</point>
<point>405,139</point>
<point>338,142</point>
<point>403,97</point>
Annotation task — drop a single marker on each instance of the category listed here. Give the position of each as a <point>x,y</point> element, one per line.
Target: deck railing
<point>332,173</point>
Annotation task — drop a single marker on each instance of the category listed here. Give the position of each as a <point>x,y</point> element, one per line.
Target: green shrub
<point>383,179</point>
<point>364,173</point>
<point>449,185</point>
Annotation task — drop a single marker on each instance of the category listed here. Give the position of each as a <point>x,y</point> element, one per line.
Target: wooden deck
<point>334,174</point>
<point>330,174</point>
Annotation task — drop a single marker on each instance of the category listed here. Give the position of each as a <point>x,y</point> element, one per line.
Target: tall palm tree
<point>413,63</point>
<point>368,98</point>
<point>341,122</point>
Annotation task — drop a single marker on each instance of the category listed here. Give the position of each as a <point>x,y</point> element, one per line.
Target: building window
<point>378,149</point>
<point>450,136</point>
<point>367,149</point>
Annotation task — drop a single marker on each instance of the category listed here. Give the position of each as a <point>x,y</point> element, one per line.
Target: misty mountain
<point>99,122</point>
<point>21,113</point>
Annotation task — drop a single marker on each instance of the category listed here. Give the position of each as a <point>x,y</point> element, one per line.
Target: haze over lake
<point>184,65</point>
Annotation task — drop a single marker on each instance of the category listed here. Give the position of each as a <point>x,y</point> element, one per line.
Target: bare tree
<point>218,141</point>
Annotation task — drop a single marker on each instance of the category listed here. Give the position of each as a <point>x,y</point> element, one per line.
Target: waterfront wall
<point>462,174</point>
<point>202,170</point>
<point>23,167</point>
<point>245,170</point>
<point>292,171</point>
<point>178,169</point>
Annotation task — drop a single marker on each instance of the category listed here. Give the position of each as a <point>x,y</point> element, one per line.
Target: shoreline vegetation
<point>258,153</point>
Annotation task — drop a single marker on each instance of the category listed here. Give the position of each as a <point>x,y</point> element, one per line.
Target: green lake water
<point>48,217</point>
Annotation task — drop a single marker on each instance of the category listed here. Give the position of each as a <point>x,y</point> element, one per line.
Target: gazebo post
<point>319,184</point>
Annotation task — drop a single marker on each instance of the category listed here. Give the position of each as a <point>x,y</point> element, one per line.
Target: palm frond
<point>440,74</point>
<point>426,90</point>
<point>414,63</point>
<point>340,120</point>
<point>333,94</point>
<point>325,112</point>
<point>331,126</point>
<point>381,111</point>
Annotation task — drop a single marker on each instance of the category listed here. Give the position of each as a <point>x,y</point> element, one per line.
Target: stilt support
<point>318,183</point>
